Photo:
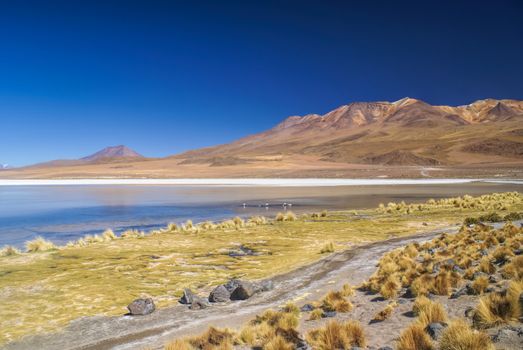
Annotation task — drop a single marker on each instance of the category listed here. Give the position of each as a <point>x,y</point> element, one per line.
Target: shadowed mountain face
<point>405,132</point>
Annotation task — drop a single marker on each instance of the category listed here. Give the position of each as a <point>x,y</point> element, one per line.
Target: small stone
<point>198,303</point>
<point>469,312</point>
<point>329,314</point>
<point>187,296</point>
<point>493,279</point>
<point>219,294</point>
<point>307,308</point>
<point>141,307</point>
<point>435,329</point>
<point>385,348</point>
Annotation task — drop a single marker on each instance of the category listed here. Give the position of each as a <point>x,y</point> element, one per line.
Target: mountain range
<point>357,139</point>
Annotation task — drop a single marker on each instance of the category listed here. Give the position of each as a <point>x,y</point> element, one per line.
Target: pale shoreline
<point>311,182</point>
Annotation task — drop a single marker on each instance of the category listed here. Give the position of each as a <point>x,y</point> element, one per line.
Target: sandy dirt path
<point>305,284</point>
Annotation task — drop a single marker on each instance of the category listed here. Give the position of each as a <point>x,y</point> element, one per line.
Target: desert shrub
<point>172,227</point>
<point>414,337</point>
<point>291,308</point>
<point>486,266</point>
<point>421,304</point>
<point>470,221</point>
<point>280,217</point>
<point>459,336</point>
<point>502,254</point>
<point>336,335</point>
<point>9,250</point>
<point>290,216</point>
<point>39,244</point>
<point>257,220</point>
<point>327,248</point>
<point>323,213</point>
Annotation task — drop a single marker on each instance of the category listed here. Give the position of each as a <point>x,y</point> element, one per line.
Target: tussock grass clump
<point>9,250</point>
<point>291,308</point>
<point>498,308</point>
<point>429,311</point>
<point>262,331</point>
<point>213,338</point>
<point>347,290</point>
<point>172,227</point>
<point>336,335</point>
<point>514,269</point>
<point>288,216</point>
<point>421,304</point>
<point>178,344</point>
<point>327,248</point>
<point>108,235</point>
<point>459,336</point>
<point>414,337</point>
<point>316,314</point>
<point>480,284</point>
<point>390,287</point>
<point>238,221</point>
<point>39,244</point>
<point>257,220</point>
<point>335,301</point>
<point>278,343</point>
<point>385,313</point>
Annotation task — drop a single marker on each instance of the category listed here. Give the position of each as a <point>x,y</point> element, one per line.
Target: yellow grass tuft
<point>336,335</point>
<point>316,314</point>
<point>108,235</point>
<point>496,308</point>
<point>39,245</point>
<point>9,250</point>
<point>178,344</point>
<point>213,338</point>
<point>433,312</point>
<point>347,290</point>
<point>327,248</point>
<point>385,313</point>
<point>390,287</point>
<point>278,343</point>
<point>459,336</point>
<point>415,338</point>
<point>480,284</point>
<point>335,301</point>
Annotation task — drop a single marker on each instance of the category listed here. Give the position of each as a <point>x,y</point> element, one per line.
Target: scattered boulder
<point>328,314</point>
<point>264,286</point>
<point>459,293</point>
<point>198,303</point>
<point>232,285</point>
<point>509,337</point>
<point>243,291</point>
<point>219,294</point>
<point>470,312</point>
<point>307,308</point>
<point>435,329</point>
<point>187,296</point>
<point>142,306</point>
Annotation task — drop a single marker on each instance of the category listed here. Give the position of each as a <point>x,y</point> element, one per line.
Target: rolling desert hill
<point>406,138</point>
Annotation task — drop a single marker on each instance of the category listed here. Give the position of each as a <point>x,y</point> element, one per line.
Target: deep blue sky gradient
<point>167,76</point>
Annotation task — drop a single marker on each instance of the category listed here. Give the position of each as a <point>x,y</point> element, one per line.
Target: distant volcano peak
<point>120,151</point>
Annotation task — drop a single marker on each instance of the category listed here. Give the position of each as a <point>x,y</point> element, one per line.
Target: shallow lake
<point>64,213</point>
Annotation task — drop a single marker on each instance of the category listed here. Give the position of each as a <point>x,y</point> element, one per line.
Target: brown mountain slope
<point>484,138</point>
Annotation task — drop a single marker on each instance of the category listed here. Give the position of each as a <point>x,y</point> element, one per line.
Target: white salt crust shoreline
<point>312,182</point>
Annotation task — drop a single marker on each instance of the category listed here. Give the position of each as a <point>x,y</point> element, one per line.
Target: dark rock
<point>199,303</point>
<point>431,251</point>
<point>489,289</point>
<point>435,329</point>
<point>356,348</point>
<point>187,296</point>
<point>306,308</point>
<point>232,285</point>
<point>459,293</point>
<point>470,312</point>
<point>385,348</point>
<point>141,307</point>
<point>458,269</point>
<point>518,251</point>
<point>329,314</point>
<point>402,301</point>
<point>483,252</point>
<point>243,291</point>
<point>510,335</point>
<point>219,294</point>
<point>265,286</point>
<point>493,279</point>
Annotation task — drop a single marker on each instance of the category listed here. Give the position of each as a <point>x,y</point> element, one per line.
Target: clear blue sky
<point>166,76</point>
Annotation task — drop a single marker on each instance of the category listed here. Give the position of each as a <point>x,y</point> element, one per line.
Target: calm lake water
<point>64,213</point>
